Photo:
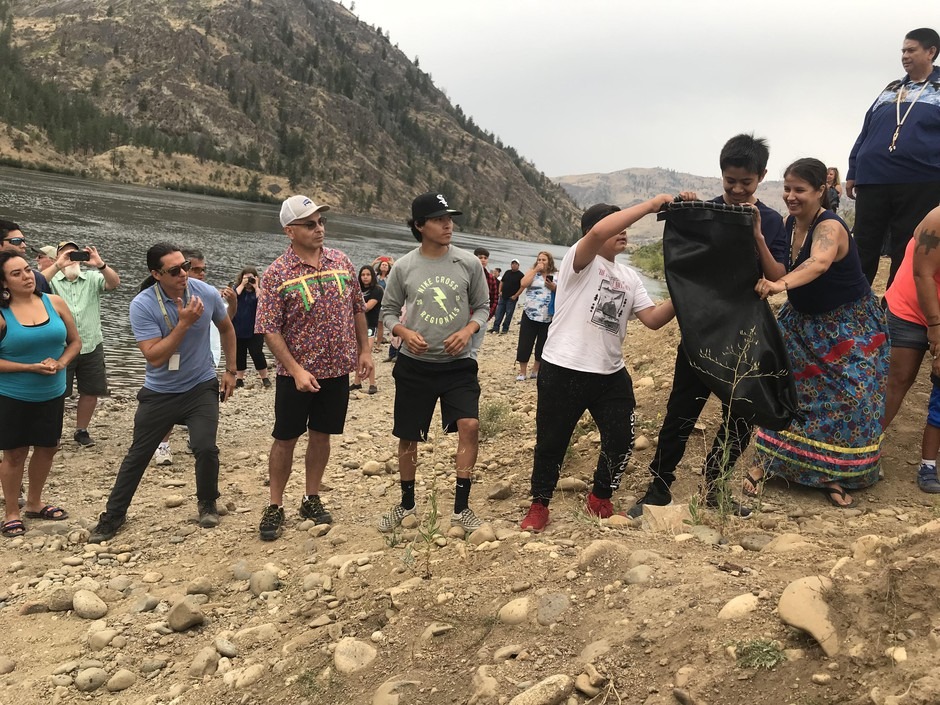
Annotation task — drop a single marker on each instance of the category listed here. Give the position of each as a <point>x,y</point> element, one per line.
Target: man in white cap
<point>312,315</point>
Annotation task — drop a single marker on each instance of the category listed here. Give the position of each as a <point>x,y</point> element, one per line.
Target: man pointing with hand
<point>170,318</point>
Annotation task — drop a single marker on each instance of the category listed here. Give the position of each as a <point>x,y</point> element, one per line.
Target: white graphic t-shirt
<point>591,313</point>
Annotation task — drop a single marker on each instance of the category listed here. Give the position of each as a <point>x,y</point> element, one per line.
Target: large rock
<point>352,655</point>
<point>263,581</point>
<point>205,664</point>
<point>90,679</point>
<point>602,551</point>
<point>259,634</point>
<point>88,605</point>
<point>514,611</point>
<point>122,680</point>
<point>738,607</point>
<point>671,519</point>
<point>551,608</point>
<point>786,543</point>
<point>802,605</point>
<point>184,615</point>
<point>550,691</point>
<point>387,693</point>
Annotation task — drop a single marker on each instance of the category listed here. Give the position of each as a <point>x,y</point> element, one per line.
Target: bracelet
<point>786,287</point>
<point>230,372</point>
<point>931,325</point>
<point>102,267</point>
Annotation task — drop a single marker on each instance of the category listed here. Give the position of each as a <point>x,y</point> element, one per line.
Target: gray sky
<point>601,85</point>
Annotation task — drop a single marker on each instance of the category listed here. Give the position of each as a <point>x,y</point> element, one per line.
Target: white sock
<point>929,463</point>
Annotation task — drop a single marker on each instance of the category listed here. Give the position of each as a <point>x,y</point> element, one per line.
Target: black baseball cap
<point>595,214</point>
<point>431,205</point>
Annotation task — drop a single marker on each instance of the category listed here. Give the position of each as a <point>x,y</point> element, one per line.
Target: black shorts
<point>92,378</point>
<point>323,411</point>
<point>30,423</point>
<point>418,386</point>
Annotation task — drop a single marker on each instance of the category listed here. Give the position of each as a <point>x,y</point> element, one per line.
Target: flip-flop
<point>50,513</point>
<point>13,528</point>
<point>833,492</point>
<point>756,482</point>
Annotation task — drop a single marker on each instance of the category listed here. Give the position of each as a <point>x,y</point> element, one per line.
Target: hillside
<point>255,98</point>
<point>630,186</point>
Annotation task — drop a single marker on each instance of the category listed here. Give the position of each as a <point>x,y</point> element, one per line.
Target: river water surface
<point>123,221</point>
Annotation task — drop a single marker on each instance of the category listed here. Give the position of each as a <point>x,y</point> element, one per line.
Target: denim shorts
<point>905,334</point>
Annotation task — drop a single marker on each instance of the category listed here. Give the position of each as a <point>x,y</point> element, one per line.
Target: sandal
<point>755,482</point>
<point>13,528</point>
<point>50,513</point>
<point>833,492</point>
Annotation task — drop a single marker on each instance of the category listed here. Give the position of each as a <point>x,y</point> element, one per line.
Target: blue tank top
<point>29,345</point>
<point>841,283</point>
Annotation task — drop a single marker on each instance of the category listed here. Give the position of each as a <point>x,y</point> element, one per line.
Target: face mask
<point>71,271</point>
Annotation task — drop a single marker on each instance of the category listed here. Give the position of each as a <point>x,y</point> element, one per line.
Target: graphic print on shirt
<point>607,307</point>
<point>310,286</point>
<point>438,302</point>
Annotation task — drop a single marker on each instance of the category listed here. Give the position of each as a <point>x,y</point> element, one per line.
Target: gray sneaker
<point>393,518</point>
<point>466,520</point>
<point>208,514</point>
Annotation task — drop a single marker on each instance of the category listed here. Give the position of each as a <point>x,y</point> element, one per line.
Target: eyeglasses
<point>198,270</point>
<point>175,271</point>
<point>15,240</point>
<point>310,224</point>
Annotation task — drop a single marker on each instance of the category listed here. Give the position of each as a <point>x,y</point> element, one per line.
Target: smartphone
<point>79,256</point>
<point>221,395</point>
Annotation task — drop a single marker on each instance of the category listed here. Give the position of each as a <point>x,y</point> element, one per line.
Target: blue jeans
<point>505,307</point>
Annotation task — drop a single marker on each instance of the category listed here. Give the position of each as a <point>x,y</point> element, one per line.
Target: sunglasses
<point>310,224</point>
<point>16,240</point>
<point>198,270</point>
<point>175,271</point>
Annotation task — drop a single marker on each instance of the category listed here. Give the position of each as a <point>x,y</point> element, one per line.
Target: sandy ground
<point>635,612</point>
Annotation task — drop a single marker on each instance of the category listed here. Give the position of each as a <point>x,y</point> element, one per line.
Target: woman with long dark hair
<point>836,336</point>
<point>372,293</point>
<point>38,339</point>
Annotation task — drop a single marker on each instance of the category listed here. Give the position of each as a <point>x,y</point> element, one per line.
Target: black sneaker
<point>654,497</point>
<point>312,508</point>
<point>106,529</point>
<point>272,522</point>
<point>239,383</point>
<point>735,508</point>
<point>208,514</point>
<point>266,383</point>
<point>82,438</point>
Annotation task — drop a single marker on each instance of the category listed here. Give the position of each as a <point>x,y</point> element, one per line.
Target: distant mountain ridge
<point>256,97</point>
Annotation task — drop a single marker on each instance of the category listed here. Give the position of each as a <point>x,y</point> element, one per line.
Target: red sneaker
<point>598,507</point>
<point>537,518</point>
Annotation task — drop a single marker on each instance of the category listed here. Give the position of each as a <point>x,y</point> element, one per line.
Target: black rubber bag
<point>730,336</point>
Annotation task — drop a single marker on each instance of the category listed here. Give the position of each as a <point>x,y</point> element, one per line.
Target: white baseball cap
<point>297,207</point>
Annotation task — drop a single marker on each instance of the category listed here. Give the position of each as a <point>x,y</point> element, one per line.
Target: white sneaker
<point>393,517</point>
<point>466,520</point>
<point>163,456</point>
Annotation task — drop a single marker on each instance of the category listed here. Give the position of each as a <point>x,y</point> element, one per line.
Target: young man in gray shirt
<point>446,300</point>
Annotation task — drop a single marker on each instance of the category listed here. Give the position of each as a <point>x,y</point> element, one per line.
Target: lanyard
<point>166,317</point>
<point>897,108</point>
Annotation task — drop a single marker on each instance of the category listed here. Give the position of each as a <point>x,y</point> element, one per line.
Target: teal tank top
<point>31,344</point>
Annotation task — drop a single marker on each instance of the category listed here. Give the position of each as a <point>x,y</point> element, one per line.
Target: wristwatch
<point>103,267</point>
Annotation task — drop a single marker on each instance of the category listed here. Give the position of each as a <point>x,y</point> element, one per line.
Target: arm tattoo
<point>928,240</point>
<point>810,260</point>
<point>824,236</point>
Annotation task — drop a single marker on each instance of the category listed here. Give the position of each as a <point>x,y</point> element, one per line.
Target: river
<point>122,221</point>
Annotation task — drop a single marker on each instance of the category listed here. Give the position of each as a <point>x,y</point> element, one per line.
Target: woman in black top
<point>372,293</point>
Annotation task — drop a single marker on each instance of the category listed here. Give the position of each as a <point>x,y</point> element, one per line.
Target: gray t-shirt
<point>440,296</point>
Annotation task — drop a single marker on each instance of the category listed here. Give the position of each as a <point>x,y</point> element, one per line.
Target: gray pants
<point>156,414</point>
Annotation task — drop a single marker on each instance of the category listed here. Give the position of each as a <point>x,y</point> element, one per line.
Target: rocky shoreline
<point>802,603</point>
